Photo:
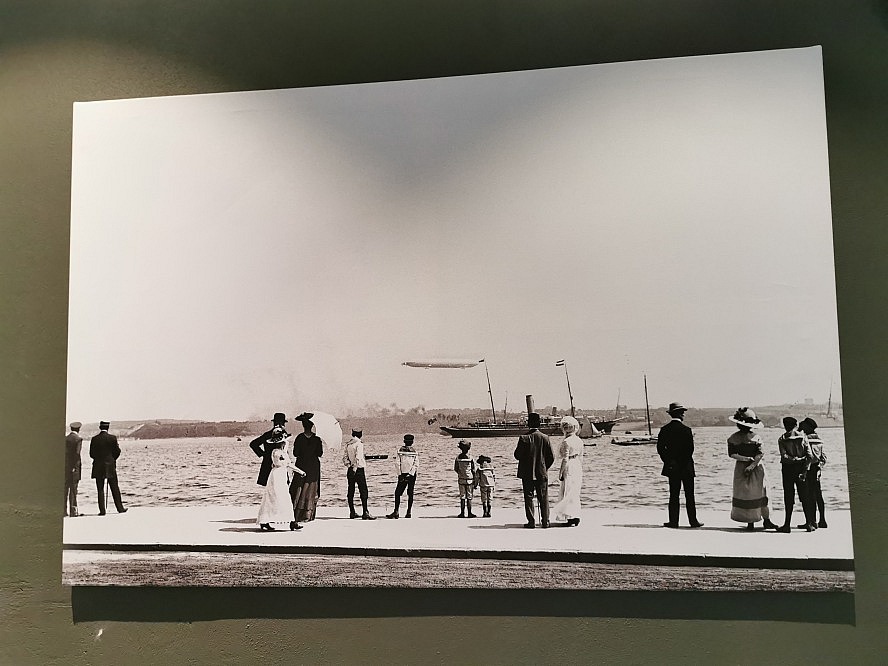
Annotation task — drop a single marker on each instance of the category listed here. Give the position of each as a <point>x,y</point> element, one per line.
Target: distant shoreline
<point>429,422</point>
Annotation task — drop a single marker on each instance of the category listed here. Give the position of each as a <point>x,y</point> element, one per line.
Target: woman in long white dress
<point>571,474</point>
<point>276,505</point>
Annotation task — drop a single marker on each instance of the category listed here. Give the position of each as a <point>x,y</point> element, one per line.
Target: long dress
<point>276,506</point>
<point>749,503</point>
<point>305,490</point>
<point>569,505</point>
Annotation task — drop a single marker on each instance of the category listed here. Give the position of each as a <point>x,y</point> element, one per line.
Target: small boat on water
<point>382,456</point>
<point>650,438</point>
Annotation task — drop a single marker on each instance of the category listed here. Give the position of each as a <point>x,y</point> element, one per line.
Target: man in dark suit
<point>73,445</point>
<point>535,457</point>
<point>104,451</point>
<point>675,444</point>
<point>262,449</point>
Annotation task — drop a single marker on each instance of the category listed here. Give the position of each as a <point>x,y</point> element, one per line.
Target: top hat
<point>675,407</point>
<point>357,433</point>
<point>808,422</point>
<point>408,439</point>
<point>533,420</point>
<point>464,445</point>
<point>746,417</point>
<point>76,425</point>
<point>279,417</point>
<point>104,425</point>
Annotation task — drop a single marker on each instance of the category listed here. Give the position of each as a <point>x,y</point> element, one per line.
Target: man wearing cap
<point>104,451</point>
<point>675,445</point>
<point>407,466</point>
<point>263,449</point>
<point>535,457</point>
<point>353,459</point>
<point>73,446</point>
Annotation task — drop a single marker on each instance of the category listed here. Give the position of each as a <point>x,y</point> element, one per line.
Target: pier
<point>610,549</point>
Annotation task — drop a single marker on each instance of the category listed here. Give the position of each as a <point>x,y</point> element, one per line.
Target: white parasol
<point>326,426</point>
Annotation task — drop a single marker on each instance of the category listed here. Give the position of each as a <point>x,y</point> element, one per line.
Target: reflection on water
<point>215,470</point>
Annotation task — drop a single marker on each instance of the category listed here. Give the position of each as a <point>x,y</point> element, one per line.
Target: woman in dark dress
<point>307,451</point>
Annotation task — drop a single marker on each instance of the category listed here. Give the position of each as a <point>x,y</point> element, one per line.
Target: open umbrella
<point>326,426</point>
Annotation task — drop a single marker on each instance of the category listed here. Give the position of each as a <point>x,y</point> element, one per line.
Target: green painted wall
<point>53,53</point>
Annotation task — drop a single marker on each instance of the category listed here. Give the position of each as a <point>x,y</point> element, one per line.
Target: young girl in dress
<point>276,506</point>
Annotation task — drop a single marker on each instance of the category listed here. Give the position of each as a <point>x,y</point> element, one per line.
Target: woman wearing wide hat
<point>306,489</point>
<point>571,474</point>
<point>749,503</point>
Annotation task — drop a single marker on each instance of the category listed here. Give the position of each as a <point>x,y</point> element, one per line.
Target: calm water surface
<point>196,471</point>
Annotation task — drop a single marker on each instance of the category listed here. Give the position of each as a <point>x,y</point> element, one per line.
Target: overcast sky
<point>235,254</point>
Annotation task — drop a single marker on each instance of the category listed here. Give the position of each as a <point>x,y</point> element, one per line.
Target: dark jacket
<point>73,445</point>
<point>307,452</point>
<point>534,456</point>
<point>104,451</point>
<point>675,444</point>
<point>262,449</point>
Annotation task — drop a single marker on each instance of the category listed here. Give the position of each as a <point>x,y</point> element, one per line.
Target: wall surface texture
<point>55,52</point>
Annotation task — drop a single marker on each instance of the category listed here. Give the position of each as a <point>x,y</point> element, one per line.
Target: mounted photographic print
<point>571,328</point>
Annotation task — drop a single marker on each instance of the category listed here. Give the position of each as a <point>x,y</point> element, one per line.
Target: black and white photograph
<point>569,328</point>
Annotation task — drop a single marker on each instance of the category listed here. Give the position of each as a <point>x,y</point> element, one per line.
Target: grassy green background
<point>53,53</point>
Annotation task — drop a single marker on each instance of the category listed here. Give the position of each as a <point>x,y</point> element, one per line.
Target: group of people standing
<point>292,486</point>
<point>801,456</point>
<point>104,451</point>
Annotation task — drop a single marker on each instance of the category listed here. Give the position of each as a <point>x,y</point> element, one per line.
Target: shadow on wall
<point>133,604</point>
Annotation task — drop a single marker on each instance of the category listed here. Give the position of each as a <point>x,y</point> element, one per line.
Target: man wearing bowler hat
<point>263,449</point>
<point>675,444</point>
<point>73,446</point>
<point>104,451</point>
<point>535,457</point>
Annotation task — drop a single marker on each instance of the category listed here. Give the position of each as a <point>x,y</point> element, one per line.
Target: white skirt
<point>276,505</point>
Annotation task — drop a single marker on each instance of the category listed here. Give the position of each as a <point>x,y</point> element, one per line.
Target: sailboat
<point>650,438</point>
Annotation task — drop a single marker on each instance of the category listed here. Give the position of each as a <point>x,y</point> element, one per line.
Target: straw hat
<point>570,421</point>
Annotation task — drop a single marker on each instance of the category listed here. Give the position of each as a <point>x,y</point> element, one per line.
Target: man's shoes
<point>785,529</point>
<point>530,526</point>
<point>461,515</point>
<point>353,515</point>
<point>697,524</point>
<point>367,516</point>
<point>406,515</point>
<point>810,528</point>
<point>672,525</point>
<point>101,513</point>
<point>295,526</point>
<point>822,523</point>
<point>393,514</point>
<point>769,525</point>
<point>545,525</point>
<point>471,515</point>
<point>123,510</point>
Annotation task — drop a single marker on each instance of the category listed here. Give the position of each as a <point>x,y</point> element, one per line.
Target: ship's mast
<point>489,391</point>
<point>573,412</point>
<point>829,401</point>
<point>647,408</point>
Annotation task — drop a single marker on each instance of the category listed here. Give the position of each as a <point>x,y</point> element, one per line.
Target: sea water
<point>223,471</point>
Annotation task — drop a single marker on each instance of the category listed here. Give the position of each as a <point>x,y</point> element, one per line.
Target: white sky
<point>235,254</point>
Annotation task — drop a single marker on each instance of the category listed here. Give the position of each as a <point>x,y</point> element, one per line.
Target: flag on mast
<point>559,363</point>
